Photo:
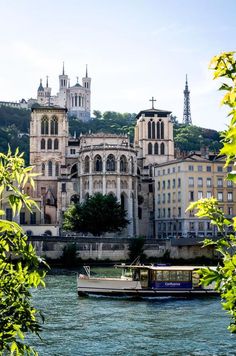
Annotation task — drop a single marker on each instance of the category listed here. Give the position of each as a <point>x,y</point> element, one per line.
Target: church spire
<point>47,81</point>
<point>187,113</point>
<point>63,69</point>
<point>86,73</point>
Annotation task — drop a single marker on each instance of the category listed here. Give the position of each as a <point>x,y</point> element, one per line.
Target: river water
<point>106,326</point>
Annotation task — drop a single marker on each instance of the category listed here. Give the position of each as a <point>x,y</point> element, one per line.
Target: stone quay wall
<point>117,249</point>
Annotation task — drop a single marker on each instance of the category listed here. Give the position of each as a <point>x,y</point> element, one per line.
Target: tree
<point>19,264</point>
<point>224,66</point>
<point>136,249</point>
<point>97,215</point>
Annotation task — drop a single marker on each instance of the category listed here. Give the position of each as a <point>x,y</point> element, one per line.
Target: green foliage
<point>136,248</point>
<point>69,256</point>
<point>97,215</point>
<point>19,264</point>
<point>224,65</point>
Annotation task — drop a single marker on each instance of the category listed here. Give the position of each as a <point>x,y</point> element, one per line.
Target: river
<point>106,326</point>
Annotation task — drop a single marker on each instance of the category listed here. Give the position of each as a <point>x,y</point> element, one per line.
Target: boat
<point>142,281</point>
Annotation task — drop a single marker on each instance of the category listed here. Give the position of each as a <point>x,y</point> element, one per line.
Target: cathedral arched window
<point>132,164</point>
<point>162,130</point>
<point>162,148</point>
<point>156,148</point>
<point>98,163</point>
<point>123,164</point>
<point>110,163</point>
<point>50,168</point>
<point>43,144</point>
<point>43,169</point>
<point>56,144</point>
<point>49,144</point>
<point>44,125</point>
<point>57,169</point>
<point>74,171</point>
<point>153,129</point>
<point>86,164</point>
<point>54,126</point>
<point>158,130</point>
<point>150,148</point>
<point>149,129</point>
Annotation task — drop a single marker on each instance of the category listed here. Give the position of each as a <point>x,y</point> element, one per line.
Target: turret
<point>86,80</point>
<point>63,80</point>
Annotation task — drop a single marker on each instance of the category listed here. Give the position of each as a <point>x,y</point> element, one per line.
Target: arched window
<point>43,169</point>
<point>44,125</point>
<point>56,144</point>
<point>86,164</point>
<point>162,148</point>
<point>158,130</point>
<point>57,169</point>
<point>162,130</point>
<point>150,148</point>
<point>98,163</point>
<point>149,129</point>
<point>50,168</point>
<point>54,126</point>
<point>156,148</point>
<point>153,129</point>
<point>123,164</point>
<point>74,171</point>
<point>110,163</point>
<point>49,144</point>
<point>76,100</point>
<point>42,144</point>
<point>74,199</point>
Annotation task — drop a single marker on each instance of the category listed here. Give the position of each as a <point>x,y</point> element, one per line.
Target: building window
<point>33,218</point>
<point>208,195</point>
<point>158,198</point>
<point>229,183</point>
<point>199,168</point>
<point>110,163</point>
<point>98,163</point>
<point>158,185</point>
<point>179,196</point>
<point>230,196</point>
<point>43,144</point>
<point>191,226</point>
<point>168,212</point>
<point>44,126</point>
<point>208,168</point>
<point>191,196</point>
<point>56,144</point>
<point>86,164</point>
<point>229,169</point>
<point>230,210</point>
<point>22,218</point>
<point>190,168</point>
<point>219,169</point>
<point>208,182</point>
<point>63,187</point>
<point>50,168</point>
<point>54,126</point>
<point>220,196</point>
<point>49,144</point>
<point>179,182</point>
<point>9,214</point>
<point>163,185</point>
<point>163,198</point>
<point>123,164</point>
<point>219,182</point>
<point>150,188</point>
<point>199,194</point>
<point>57,169</point>
<point>159,213</point>
<point>173,183</point>
<point>164,213</point>
<point>149,148</point>
<point>179,212</point>
<point>173,170</point>
<point>190,181</point>
<point>162,148</point>
<point>168,184</point>
<point>168,198</point>
<point>140,213</point>
<point>149,129</point>
<point>200,182</point>
<point>201,226</point>
<point>43,169</point>
<point>156,148</point>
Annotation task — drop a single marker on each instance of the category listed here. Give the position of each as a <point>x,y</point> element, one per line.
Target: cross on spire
<point>152,100</point>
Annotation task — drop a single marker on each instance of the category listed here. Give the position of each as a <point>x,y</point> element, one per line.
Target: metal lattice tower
<point>187,113</point>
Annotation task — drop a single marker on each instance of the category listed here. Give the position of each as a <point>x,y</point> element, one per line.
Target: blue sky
<point>135,49</point>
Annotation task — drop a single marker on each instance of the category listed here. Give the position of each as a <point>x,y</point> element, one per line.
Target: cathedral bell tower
<point>63,85</point>
<point>154,136</point>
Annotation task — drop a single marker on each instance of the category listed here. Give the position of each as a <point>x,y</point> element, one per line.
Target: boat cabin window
<point>172,276</point>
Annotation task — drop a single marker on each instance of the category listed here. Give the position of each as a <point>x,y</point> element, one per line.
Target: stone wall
<point>117,249</point>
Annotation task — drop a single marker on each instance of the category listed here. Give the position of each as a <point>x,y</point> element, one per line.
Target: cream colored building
<point>182,181</point>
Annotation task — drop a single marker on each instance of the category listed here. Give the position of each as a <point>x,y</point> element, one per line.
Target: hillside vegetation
<point>14,130</point>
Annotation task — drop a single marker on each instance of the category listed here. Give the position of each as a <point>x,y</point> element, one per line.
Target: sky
<point>135,49</point>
